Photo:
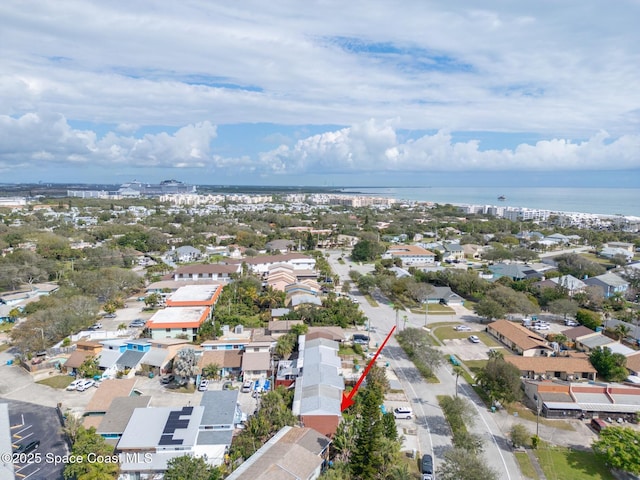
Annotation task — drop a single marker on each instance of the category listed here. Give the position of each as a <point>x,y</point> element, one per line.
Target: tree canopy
<point>610,366</point>
<point>619,447</point>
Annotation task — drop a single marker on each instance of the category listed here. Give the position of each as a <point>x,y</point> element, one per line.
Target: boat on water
<point>502,197</point>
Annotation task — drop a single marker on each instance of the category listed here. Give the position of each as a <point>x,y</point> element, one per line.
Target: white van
<point>402,413</point>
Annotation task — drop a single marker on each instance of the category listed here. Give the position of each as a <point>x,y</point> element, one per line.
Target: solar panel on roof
<point>169,440</point>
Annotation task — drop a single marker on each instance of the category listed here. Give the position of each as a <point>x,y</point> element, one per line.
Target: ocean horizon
<point>600,201</point>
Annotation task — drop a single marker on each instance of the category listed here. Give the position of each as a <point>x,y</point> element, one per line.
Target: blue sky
<point>322,93</point>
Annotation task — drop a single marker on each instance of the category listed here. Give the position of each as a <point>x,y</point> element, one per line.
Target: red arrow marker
<point>347,400</point>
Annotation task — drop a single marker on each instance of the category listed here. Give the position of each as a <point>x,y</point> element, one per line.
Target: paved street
<point>433,431</point>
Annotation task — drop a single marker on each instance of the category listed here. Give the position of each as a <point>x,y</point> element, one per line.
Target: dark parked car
<point>27,447</point>
<point>167,379</point>
<point>427,467</point>
<point>137,323</point>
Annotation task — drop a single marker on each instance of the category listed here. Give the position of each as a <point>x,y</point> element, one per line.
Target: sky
<point>363,93</point>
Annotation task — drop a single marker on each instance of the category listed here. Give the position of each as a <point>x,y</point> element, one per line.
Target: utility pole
<point>537,415</point>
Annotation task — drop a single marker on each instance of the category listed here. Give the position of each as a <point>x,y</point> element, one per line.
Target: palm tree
<point>621,330</point>
<point>211,370</point>
<point>457,371</point>
<point>495,354</point>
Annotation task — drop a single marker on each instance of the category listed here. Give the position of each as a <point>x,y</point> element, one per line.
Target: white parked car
<point>74,385</point>
<point>540,327</point>
<point>571,323</point>
<point>85,385</point>
<point>474,339</point>
<point>402,413</point>
<point>462,328</point>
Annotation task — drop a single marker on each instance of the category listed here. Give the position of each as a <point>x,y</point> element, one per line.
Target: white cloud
<point>548,69</point>
<point>38,140</point>
<point>373,147</point>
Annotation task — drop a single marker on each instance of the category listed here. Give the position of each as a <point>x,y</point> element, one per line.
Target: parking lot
<point>30,422</point>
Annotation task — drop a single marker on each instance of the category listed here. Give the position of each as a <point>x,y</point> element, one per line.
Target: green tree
<point>610,366</point>
<point>520,436</point>
<point>366,251</point>
<point>285,345</point>
<point>619,448</point>
<point>588,318</point>
<point>185,364</point>
<point>621,330</point>
<point>89,442</point>
<point>188,467</point>
<point>461,464</point>
<point>500,380</point>
<point>489,309</point>
<point>367,460</point>
<point>152,300</point>
<point>564,307</point>
<point>212,371</point>
<point>90,367</point>
<point>458,371</point>
<point>366,283</point>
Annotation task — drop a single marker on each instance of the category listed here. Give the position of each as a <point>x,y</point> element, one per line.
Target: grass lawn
<point>445,330</point>
<point>371,301</point>
<point>475,366</point>
<point>489,341</point>
<point>563,463</point>
<point>6,326</point>
<point>57,381</point>
<point>526,467</point>
<point>435,309</point>
<point>346,350</point>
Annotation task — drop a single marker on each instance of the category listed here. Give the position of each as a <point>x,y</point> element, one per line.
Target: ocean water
<point>603,201</point>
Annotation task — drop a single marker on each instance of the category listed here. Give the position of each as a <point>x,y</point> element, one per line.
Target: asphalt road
<point>433,431</point>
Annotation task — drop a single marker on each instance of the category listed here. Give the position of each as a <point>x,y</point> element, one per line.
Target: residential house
<point>282,327</point>
<point>195,296</point>
<point>178,322</point>
<point>571,284</point>
<point>564,368</point>
<point>318,391</point>
<point>280,246</point>
<point>256,360</point>
<point>186,254</point>
<point>158,358</point>
<point>609,252</point>
<point>444,295</point>
<point>153,436</point>
<point>629,247</point>
<point>473,251</point>
<point>219,419</point>
<point>519,339</point>
<point>236,339</point>
<point>453,252</point>
<point>114,422</point>
<point>260,265</point>
<point>610,283</point>
<point>293,452</point>
<point>410,255</point>
<point>100,402</point>
<point>577,332</point>
<point>229,362</point>
<point>215,272</point>
<point>514,271</point>
<point>559,239</point>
